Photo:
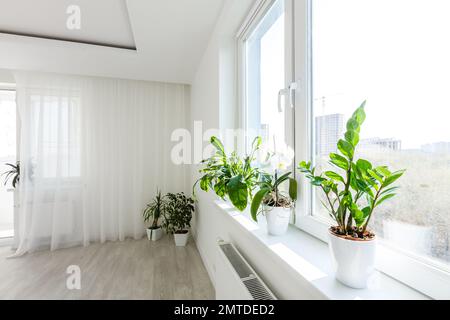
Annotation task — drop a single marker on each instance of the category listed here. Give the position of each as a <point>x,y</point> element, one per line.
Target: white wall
<point>6,76</point>
<point>213,101</point>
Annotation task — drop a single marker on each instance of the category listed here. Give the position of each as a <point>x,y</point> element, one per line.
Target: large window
<point>395,55</point>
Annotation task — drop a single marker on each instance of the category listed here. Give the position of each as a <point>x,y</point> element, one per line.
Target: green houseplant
<point>14,173</point>
<point>273,203</point>
<point>154,212</point>
<point>231,176</point>
<point>178,211</point>
<point>352,193</point>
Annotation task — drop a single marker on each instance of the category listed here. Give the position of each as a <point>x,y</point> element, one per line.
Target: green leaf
<point>353,125</point>
<point>386,197</point>
<point>334,176</point>
<point>317,181</point>
<point>392,178</point>
<point>293,187</point>
<point>384,171</point>
<point>256,143</point>
<point>339,161</point>
<point>238,192</point>
<point>357,215</point>
<point>256,203</point>
<point>352,137</point>
<point>374,175</point>
<point>218,145</point>
<point>363,165</point>
<point>281,179</point>
<point>390,190</point>
<point>360,115</point>
<point>220,189</point>
<point>346,148</point>
<point>204,183</point>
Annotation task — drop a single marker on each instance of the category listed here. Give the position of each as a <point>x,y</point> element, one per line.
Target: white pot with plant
<point>154,212</point>
<point>271,202</point>
<point>177,217</point>
<point>352,193</point>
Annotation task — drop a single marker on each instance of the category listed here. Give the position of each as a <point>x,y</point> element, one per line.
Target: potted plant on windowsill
<point>231,176</point>
<point>352,193</point>
<point>275,205</point>
<point>154,212</point>
<point>178,211</point>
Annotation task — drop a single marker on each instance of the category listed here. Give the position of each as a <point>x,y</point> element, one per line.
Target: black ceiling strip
<point>94,43</point>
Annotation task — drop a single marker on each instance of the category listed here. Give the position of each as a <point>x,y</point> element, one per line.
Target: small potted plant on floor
<point>352,192</point>
<point>177,216</point>
<point>274,204</point>
<point>154,212</point>
<point>231,176</point>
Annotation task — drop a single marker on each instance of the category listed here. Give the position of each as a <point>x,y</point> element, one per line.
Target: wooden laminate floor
<point>113,270</point>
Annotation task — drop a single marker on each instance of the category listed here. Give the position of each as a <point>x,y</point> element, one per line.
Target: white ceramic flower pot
<point>277,219</point>
<point>154,234</point>
<point>181,239</point>
<point>353,260</point>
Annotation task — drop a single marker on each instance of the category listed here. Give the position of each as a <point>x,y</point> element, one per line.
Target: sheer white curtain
<point>93,152</point>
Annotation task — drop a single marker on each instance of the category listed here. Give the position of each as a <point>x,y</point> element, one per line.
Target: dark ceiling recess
<point>94,43</point>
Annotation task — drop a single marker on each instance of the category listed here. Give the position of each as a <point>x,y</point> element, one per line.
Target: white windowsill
<point>309,257</point>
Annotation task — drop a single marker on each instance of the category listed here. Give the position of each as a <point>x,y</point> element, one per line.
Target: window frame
<point>424,275</point>
<point>251,22</point>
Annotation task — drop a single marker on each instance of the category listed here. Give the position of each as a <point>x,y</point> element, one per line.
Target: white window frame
<point>422,274</point>
<point>257,13</point>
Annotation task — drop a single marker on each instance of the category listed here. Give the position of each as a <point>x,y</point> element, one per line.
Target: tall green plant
<point>154,210</point>
<point>270,195</point>
<point>231,176</point>
<point>356,188</point>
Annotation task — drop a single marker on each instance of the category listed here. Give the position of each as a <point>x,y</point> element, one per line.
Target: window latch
<point>289,92</point>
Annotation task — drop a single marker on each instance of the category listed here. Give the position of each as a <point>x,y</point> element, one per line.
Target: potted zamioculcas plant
<point>154,212</point>
<point>274,204</point>
<point>352,193</point>
<point>177,216</point>
<point>230,176</point>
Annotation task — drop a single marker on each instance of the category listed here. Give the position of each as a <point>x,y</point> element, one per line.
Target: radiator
<point>236,279</point>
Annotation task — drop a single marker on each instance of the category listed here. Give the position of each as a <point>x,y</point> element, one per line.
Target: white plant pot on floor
<point>154,234</point>
<point>181,239</point>
<point>353,260</point>
<point>277,219</point>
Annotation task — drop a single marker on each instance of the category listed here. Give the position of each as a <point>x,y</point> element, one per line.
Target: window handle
<point>290,93</point>
<point>281,93</point>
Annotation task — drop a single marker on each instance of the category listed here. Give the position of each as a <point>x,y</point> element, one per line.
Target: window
<point>56,136</point>
<point>396,59</point>
<point>265,67</point>
<point>7,155</point>
<point>394,54</point>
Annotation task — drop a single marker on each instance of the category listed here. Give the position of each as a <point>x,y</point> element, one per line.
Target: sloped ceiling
<point>170,37</point>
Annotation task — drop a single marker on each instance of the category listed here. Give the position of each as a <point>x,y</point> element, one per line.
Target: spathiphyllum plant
<point>356,188</point>
<point>231,176</point>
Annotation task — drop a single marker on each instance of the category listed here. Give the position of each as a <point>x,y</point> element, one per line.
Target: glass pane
<point>265,50</point>
<point>7,155</point>
<point>396,55</point>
